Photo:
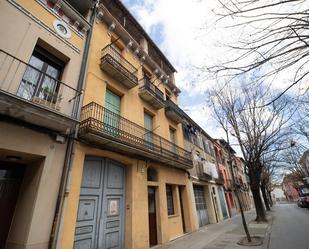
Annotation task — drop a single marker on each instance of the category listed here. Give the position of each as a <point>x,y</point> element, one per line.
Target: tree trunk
<point>259,207</point>
<point>265,198</point>
<point>270,199</point>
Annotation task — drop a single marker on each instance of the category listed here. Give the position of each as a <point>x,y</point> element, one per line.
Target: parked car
<point>303,201</point>
<point>307,202</point>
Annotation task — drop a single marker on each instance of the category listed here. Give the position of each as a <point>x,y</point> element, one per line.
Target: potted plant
<point>49,97</point>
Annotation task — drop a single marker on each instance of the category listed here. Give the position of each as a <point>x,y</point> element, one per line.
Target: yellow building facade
<point>41,51</point>
<point>128,183</point>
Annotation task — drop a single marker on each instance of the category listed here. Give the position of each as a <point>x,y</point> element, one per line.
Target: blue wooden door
<point>222,202</point>
<point>100,218</point>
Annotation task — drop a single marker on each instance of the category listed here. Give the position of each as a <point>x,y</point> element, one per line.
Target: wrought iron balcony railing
<point>151,93</point>
<point>173,111</point>
<point>114,64</point>
<point>98,120</point>
<point>24,81</point>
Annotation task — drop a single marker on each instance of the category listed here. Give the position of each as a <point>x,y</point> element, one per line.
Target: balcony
<point>115,65</point>
<point>220,179</point>
<point>29,95</point>
<point>173,112</point>
<point>151,94</point>
<point>108,130</point>
<point>202,175</point>
<point>81,6</point>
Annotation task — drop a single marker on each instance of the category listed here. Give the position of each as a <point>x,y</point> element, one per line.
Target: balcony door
<point>148,123</point>
<point>41,78</point>
<point>111,115</point>
<point>173,139</point>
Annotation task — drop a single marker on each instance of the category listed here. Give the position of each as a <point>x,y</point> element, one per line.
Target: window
<point>112,102</point>
<point>152,175</point>
<point>148,124</point>
<point>206,147</point>
<point>111,115</point>
<point>172,139</point>
<point>186,132</point>
<point>211,149</point>
<point>170,201</point>
<point>194,140</point>
<point>199,141</point>
<point>41,78</point>
<point>168,94</point>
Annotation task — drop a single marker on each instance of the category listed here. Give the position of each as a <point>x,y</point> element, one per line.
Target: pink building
<point>289,190</point>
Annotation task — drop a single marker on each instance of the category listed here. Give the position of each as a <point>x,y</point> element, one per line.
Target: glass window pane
<point>30,78</point>
<point>170,203</point>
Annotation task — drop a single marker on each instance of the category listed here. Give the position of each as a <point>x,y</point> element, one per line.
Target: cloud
<point>189,35</point>
<point>178,26</point>
<point>185,31</point>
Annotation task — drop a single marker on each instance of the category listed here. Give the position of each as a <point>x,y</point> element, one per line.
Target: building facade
<point>129,186</point>
<point>92,149</point>
<point>41,52</point>
<point>278,194</point>
<point>210,203</point>
<point>242,184</point>
<point>222,161</point>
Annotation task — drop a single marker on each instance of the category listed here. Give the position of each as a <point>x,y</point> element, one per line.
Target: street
<point>290,228</point>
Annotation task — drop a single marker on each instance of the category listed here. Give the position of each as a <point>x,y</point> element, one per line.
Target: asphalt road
<point>290,228</point>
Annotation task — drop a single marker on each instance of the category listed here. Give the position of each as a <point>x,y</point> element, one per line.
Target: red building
<point>222,160</point>
<point>289,190</point>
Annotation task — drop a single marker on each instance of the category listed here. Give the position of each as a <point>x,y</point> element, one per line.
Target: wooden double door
<point>100,218</point>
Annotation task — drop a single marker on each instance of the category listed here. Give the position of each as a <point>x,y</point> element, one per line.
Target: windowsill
<point>173,216</point>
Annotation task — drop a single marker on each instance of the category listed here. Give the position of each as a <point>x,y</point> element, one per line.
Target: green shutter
<point>111,115</point>
<point>112,102</point>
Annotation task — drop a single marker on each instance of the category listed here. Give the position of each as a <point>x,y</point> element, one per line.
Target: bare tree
<point>271,163</point>
<point>274,42</point>
<point>255,126</point>
<point>301,127</point>
<point>291,161</point>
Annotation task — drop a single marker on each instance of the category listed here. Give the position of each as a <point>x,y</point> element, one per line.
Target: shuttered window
<point>172,139</point>
<point>111,118</point>
<point>148,123</point>
<point>112,102</point>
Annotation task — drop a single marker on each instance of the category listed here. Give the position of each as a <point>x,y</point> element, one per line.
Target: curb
<point>267,236</point>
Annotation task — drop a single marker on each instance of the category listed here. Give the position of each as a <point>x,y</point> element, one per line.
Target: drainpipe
<point>66,173</point>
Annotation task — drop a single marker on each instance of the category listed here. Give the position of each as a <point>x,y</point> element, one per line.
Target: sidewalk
<point>223,235</point>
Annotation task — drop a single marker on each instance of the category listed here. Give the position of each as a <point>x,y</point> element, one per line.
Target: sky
<point>189,34</point>
<point>182,29</point>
